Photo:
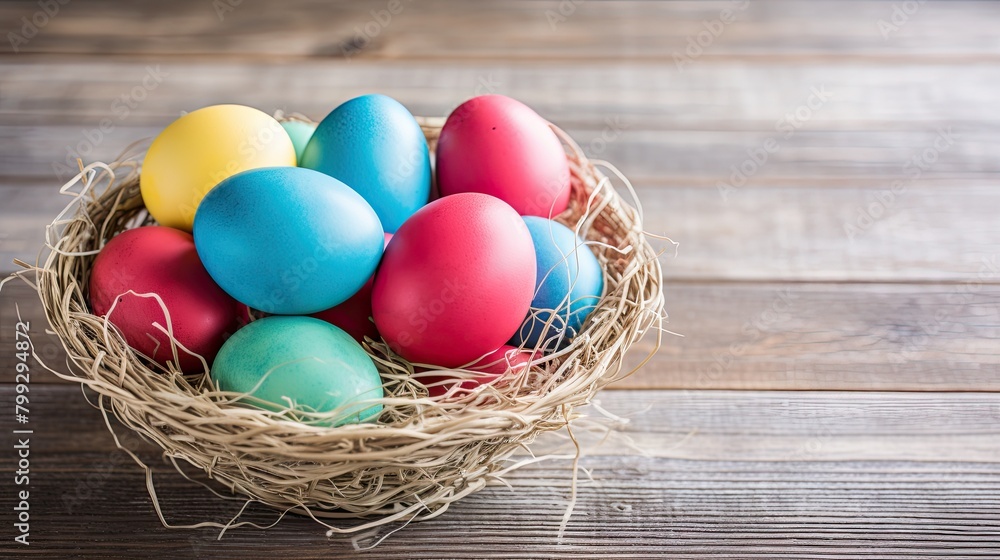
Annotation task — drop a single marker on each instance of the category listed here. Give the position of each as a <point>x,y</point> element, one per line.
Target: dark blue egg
<point>287,240</point>
<point>375,146</point>
<point>568,286</point>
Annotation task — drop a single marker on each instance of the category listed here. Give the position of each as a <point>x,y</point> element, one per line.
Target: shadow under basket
<point>423,453</point>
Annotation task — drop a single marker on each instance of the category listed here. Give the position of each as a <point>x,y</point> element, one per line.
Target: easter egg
<point>301,363</point>
<point>355,314</point>
<point>500,366</point>
<point>375,146</point>
<point>496,145</point>
<point>204,147</point>
<point>455,282</point>
<point>162,261</point>
<point>569,285</point>
<point>299,132</point>
<point>287,240</point>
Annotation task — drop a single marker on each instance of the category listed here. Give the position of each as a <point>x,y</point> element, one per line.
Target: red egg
<point>354,314</point>
<point>497,145</point>
<point>489,369</point>
<point>456,282</point>
<point>162,261</point>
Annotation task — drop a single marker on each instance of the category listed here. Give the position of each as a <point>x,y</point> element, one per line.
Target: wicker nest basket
<point>423,453</point>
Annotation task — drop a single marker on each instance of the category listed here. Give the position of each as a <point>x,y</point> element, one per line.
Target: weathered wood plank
<point>928,230</point>
<point>801,336</point>
<point>726,95</point>
<point>827,336</point>
<point>749,475</point>
<point>727,502</point>
<point>26,208</point>
<point>732,159</point>
<point>924,231</point>
<point>517,30</point>
<point>640,508</point>
<point>695,425</point>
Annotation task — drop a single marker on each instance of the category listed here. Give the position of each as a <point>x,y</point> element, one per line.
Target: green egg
<point>300,132</point>
<point>310,362</point>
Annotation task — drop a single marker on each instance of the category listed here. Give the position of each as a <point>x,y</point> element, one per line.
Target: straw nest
<point>423,453</point>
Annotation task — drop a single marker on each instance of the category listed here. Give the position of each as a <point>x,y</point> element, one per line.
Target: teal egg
<point>301,360</point>
<point>287,240</point>
<point>300,132</point>
<point>568,281</point>
<point>374,145</point>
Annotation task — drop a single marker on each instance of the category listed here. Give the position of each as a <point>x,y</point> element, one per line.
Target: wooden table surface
<point>835,391</point>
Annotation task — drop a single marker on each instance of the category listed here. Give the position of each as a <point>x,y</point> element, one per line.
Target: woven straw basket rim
<point>423,454</point>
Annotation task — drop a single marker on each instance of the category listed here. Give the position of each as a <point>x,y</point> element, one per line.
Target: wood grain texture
<point>927,231</point>
<point>724,95</point>
<point>530,30</point>
<point>800,336</point>
<point>728,474</point>
<point>796,215</point>
<point>772,289</point>
<point>702,157</point>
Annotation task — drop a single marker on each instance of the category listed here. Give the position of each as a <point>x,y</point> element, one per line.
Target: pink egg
<point>491,368</point>
<point>497,145</point>
<point>456,282</point>
<point>354,315</point>
<point>161,260</point>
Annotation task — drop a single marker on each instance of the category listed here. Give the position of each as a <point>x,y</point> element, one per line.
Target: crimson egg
<point>140,268</point>
<point>456,282</point>
<point>496,145</point>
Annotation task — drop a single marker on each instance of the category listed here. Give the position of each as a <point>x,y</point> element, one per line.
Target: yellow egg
<point>202,148</point>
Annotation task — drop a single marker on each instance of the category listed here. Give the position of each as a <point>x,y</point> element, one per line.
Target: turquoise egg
<point>375,146</point>
<point>287,240</point>
<point>569,282</point>
<point>300,361</point>
<point>300,132</point>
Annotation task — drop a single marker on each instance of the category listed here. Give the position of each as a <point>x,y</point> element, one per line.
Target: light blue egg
<point>287,240</point>
<point>569,280</point>
<point>300,132</point>
<point>301,363</point>
<point>375,146</point>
